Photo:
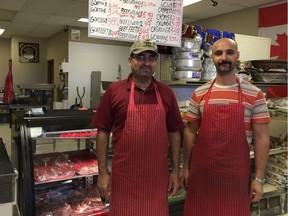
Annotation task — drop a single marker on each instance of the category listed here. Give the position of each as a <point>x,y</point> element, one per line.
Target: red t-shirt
<point>112,110</point>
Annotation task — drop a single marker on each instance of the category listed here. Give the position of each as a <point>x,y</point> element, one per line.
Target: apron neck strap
<point>239,91</point>
<point>132,86</point>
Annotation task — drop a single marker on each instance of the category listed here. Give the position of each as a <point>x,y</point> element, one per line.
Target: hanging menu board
<point>131,20</point>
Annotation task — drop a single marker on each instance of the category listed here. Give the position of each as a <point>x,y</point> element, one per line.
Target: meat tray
<point>53,166</point>
<point>85,201</point>
<point>84,162</point>
<point>74,202</point>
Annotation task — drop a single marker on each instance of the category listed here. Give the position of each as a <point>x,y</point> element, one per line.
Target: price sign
<point>131,20</point>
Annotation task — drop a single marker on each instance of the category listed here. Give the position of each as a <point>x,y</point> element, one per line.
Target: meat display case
<point>54,155</point>
<point>46,150</point>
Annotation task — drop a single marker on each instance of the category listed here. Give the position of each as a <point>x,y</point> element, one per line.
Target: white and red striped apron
<point>139,165</point>
<point>219,179</point>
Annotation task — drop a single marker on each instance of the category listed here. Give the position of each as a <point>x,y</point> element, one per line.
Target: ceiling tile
<point>7,15</point>
<point>16,32</point>
<point>41,33</point>
<point>4,24</point>
<point>43,6</point>
<point>74,9</point>
<point>46,28</point>
<point>24,17</point>
<point>45,31</point>
<point>59,20</point>
<point>20,27</point>
<point>12,4</point>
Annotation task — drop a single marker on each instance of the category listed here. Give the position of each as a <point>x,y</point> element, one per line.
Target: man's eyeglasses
<point>142,58</point>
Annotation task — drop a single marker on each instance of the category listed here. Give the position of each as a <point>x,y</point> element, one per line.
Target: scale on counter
<point>34,111</point>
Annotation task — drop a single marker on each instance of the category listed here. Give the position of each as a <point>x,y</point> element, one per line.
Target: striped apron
<point>219,179</point>
<point>139,165</point>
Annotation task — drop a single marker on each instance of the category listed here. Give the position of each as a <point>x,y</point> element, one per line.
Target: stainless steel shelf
<point>272,151</point>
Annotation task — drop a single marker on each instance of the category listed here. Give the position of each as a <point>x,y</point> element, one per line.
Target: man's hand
<point>256,191</point>
<point>104,185</point>
<point>184,179</point>
<point>173,183</point>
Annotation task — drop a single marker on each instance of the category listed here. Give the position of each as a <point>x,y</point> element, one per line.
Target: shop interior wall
<point>28,72</point>
<point>85,58</point>
<point>94,54</point>
<point>5,55</point>
<point>239,22</point>
<point>57,50</point>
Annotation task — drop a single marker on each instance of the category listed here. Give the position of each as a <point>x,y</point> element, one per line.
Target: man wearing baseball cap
<point>146,123</point>
<point>143,45</point>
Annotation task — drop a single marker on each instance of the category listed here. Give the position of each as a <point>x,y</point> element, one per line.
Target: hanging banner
<point>274,27</point>
<point>9,94</point>
<point>131,20</point>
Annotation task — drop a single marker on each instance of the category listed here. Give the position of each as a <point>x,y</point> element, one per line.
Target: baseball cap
<point>143,45</point>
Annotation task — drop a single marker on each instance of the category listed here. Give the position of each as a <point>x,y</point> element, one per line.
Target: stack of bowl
<point>209,70</point>
<point>187,60</point>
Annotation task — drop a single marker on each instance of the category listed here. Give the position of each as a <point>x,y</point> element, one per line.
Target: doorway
<point>50,71</point>
<point>50,76</point>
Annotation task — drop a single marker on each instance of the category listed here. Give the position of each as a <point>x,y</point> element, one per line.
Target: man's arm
<point>175,146</point>
<point>190,134</point>
<point>261,140</point>
<point>103,182</point>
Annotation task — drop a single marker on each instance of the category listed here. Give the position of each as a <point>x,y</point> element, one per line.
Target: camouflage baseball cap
<point>144,45</point>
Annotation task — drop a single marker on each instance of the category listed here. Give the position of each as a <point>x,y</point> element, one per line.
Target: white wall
<point>85,58</point>
<point>5,55</point>
<point>28,72</point>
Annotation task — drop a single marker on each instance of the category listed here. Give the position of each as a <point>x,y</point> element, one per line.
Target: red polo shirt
<point>112,110</point>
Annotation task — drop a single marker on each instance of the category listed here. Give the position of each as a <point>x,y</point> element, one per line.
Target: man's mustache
<point>145,67</point>
<point>224,62</point>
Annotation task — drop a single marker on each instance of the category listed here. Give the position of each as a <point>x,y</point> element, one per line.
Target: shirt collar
<point>129,79</point>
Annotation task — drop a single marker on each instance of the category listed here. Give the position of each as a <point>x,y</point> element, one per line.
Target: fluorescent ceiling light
<point>1,31</point>
<point>83,20</point>
<point>189,2</point>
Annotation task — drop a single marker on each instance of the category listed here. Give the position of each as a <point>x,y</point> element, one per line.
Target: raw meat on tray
<point>49,167</point>
<point>84,201</point>
<point>84,162</point>
<point>55,207</point>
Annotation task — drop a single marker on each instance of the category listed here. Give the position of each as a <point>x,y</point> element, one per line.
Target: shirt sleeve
<point>173,119</point>
<point>193,113</point>
<point>260,113</point>
<point>103,118</point>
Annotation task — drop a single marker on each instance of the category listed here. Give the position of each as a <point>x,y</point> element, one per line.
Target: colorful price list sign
<point>131,20</point>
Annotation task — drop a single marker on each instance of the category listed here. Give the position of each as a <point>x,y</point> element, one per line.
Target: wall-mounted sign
<point>28,52</point>
<point>75,34</point>
<point>131,20</point>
